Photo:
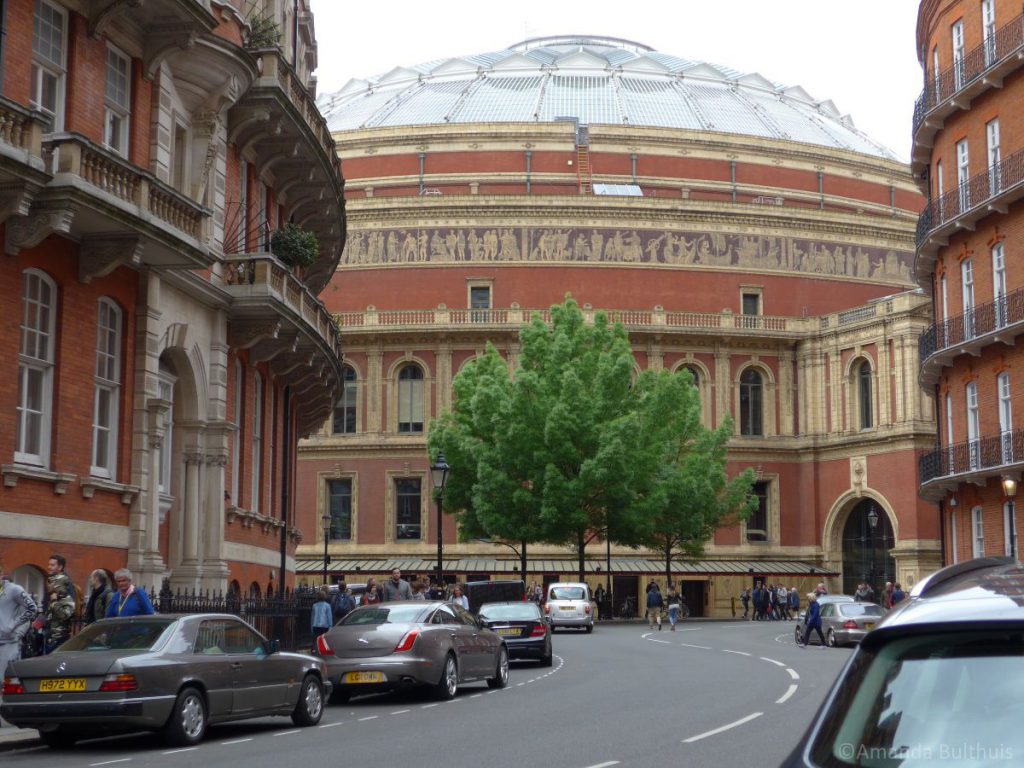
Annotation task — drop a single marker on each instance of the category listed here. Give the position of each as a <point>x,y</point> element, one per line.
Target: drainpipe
<point>529,169</point>
<point>821,190</point>
<point>632,159</point>
<point>286,470</point>
<point>892,198</point>
<point>423,164</point>
<point>732,177</point>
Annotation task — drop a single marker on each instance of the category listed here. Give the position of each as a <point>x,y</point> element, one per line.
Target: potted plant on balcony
<point>263,33</point>
<point>295,246</point>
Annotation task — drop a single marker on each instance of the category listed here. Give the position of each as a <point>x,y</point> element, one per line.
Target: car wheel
<point>545,660</point>
<point>500,679</point>
<point>798,635</point>
<point>310,706</point>
<point>59,738</point>
<point>187,723</point>
<point>339,695</point>
<point>830,639</point>
<point>590,628</point>
<point>449,683</point>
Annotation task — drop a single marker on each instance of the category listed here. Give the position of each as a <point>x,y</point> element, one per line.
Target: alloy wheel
<point>192,716</point>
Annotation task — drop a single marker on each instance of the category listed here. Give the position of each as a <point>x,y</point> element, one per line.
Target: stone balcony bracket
<point>92,484</point>
<point>14,472</point>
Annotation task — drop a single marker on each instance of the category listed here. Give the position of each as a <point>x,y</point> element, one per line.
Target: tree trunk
<point>668,565</point>
<point>581,550</point>
<point>522,561</point>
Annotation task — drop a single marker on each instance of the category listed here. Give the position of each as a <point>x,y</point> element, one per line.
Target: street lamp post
<point>1010,491</point>
<point>872,523</point>
<point>439,476</point>
<point>326,520</point>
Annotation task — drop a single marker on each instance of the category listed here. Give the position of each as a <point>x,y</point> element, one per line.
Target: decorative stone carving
<point>102,254</point>
<point>858,474</point>
<point>103,12</point>
<point>246,335</point>
<point>29,231</point>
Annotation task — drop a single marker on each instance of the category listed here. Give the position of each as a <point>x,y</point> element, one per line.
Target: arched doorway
<point>867,541</point>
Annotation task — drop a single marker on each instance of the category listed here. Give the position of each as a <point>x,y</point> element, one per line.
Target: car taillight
<point>322,647</point>
<point>586,608</point>
<point>850,624</point>
<point>13,686</point>
<point>407,641</point>
<point>539,630</point>
<point>119,684</point>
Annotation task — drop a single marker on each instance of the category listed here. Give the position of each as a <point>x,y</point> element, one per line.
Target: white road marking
<point>186,749</point>
<point>738,653</point>
<point>371,717</point>
<point>110,762</point>
<point>474,696</point>
<point>401,711</point>
<point>519,684</point>
<point>332,725</point>
<point>723,728</point>
<point>604,765</point>
<point>772,661</point>
<point>282,733</point>
<point>236,741</point>
<point>691,645</point>
<point>789,692</point>
<point>792,673</point>
<point>663,642</point>
<point>428,706</point>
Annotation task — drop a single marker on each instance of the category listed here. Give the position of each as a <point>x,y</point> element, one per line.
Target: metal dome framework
<point>596,81</point>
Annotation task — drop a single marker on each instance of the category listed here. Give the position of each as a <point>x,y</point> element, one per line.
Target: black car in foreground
<point>527,633</point>
<point>937,682</point>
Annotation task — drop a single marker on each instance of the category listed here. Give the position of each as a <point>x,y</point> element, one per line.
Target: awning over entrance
<point>568,565</point>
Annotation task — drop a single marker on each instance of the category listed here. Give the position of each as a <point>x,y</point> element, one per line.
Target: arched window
<point>36,359</point>
<point>345,408</point>
<point>107,389</point>
<point>410,399</point>
<point>695,373</point>
<point>751,397</point>
<point>864,395</point>
<point>165,389</point>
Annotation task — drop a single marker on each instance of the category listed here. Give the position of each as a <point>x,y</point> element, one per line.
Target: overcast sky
<point>861,55</point>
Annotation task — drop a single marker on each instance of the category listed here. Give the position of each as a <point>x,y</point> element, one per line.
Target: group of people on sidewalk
<point>656,602</point>
<point>26,628</point>
<point>771,602</point>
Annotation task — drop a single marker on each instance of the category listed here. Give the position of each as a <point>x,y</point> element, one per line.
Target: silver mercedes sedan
<point>167,673</point>
<point>409,644</point>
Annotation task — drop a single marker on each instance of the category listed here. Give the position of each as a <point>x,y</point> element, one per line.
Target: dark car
<point>936,682</point>
<point>480,592</point>
<point>174,674</point>
<point>411,643</point>
<point>527,633</point>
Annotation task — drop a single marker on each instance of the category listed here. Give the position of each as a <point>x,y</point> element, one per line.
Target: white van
<point>568,605</point>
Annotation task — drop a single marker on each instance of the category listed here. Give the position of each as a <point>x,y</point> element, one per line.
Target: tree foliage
<point>571,445</point>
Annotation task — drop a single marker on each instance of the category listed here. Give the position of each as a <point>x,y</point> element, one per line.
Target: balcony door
<point>958,55</point>
<point>999,283</point>
<point>1005,417</point>
<point>988,24</point>
<point>963,177</point>
<point>994,157</point>
<point>973,427</point>
<point>967,295</point>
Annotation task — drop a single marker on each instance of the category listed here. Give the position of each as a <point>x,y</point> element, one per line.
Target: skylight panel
<point>656,102</point>
<point>724,111</point>
<point>500,99</point>
<point>589,99</point>
<point>428,104</point>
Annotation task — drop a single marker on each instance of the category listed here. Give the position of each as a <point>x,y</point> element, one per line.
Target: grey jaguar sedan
<point>411,644</point>
<point>173,674</point>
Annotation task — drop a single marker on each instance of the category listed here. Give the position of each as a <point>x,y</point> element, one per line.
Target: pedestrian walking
<point>897,595</point>
<point>342,603</point>
<point>794,602</point>
<point>812,620</point>
<point>672,598</point>
<point>745,599</point>
<point>17,611</point>
<point>654,606</point>
<point>60,603</point>
<point>458,598</point>
<point>783,602</point>
<point>396,588</point>
<point>129,600</point>
<point>372,594</point>
<point>99,597</point>
<point>320,616</point>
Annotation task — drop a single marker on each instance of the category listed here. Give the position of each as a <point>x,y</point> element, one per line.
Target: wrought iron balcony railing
<point>972,456</point>
<point>1003,312</point>
<point>973,196</point>
<point>1007,42</point>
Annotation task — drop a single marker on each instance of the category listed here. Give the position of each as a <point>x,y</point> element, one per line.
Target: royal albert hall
<point>739,228</point>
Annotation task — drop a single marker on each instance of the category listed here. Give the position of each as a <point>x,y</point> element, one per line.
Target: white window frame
<point>963,175</point>
<point>994,156</point>
<point>944,295</point>
<point>973,415</point>
<point>117,115</point>
<point>936,74</point>
<point>36,366</point>
<point>107,385</point>
<point>181,156</point>
<point>1009,529</point>
<point>967,296</point>
<point>1005,416</point>
<point>999,283</point>
<point>957,32</point>
<point>257,442</point>
<point>236,438</point>
<point>43,66</point>
<point>950,453</point>
<point>978,532</point>
<point>988,30</point>
<point>954,542</point>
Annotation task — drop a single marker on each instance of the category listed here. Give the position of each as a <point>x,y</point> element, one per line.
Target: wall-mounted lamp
<point>872,517</point>
<point>952,500</point>
<point>1009,486</point>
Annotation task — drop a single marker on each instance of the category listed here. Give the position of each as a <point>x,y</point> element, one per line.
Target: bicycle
<point>628,609</point>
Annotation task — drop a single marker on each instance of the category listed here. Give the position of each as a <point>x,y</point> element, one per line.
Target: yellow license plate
<point>62,685</point>
<point>509,631</point>
<point>566,608</point>
<point>868,626</point>
<point>363,677</point>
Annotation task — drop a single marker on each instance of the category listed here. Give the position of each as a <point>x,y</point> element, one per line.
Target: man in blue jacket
<point>128,601</point>
<point>812,620</point>
<point>654,604</point>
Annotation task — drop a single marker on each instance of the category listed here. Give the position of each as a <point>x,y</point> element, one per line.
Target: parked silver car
<point>568,605</point>
<point>411,643</point>
<point>847,623</point>
<point>174,674</point>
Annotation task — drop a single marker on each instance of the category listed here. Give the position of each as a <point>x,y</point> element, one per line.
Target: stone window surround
<point>390,499</point>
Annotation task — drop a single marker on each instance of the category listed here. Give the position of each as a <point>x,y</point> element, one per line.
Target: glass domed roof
<point>596,81</point>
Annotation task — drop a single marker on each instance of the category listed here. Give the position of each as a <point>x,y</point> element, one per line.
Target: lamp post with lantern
<point>439,476</point>
<point>326,520</point>
<point>872,524</point>
<point>1010,492</point>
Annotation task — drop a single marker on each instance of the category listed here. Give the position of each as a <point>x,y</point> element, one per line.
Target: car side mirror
<point>272,646</point>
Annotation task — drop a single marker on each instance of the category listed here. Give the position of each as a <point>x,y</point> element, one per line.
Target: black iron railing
<point>972,456</point>
<point>996,48</point>
<point>985,318</point>
<point>973,193</point>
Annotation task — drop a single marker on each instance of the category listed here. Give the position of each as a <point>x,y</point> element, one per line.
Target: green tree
<point>691,494</point>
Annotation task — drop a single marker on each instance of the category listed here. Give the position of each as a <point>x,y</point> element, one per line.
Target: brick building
<point>738,228</point>
<point>968,156</point>
<point>163,363</point>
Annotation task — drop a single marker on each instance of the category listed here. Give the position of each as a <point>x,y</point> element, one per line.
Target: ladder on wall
<point>583,177</point>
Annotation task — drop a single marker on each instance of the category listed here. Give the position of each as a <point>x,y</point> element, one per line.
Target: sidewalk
<point>17,738</point>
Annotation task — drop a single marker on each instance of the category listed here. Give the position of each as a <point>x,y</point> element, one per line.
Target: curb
<point>12,738</point>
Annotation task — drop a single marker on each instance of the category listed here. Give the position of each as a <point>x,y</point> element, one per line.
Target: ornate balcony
<point>991,191</point>
<point>280,321</point>
<point>278,120</point>
<point>1001,320</point>
<point>22,168</point>
<point>972,461</point>
<point>120,213</point>
<point>984,67</point>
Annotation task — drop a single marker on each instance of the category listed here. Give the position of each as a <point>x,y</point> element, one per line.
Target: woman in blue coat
<point>812,620</point>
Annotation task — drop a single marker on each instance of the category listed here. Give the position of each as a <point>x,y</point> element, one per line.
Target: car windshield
<point>567,593</point>
<point>118,636</point>
<point>509,612</point>
<point>860,609</point>
<point>927,700</point>
<point>385,614</point>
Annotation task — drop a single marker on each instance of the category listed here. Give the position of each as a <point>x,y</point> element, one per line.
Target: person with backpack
<point>342,604</point>
<point>128,600</point>
<point>320,615</point>
<point>654,605</point>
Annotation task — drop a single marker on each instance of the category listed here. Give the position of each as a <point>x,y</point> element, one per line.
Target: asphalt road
<point>712,694</point>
